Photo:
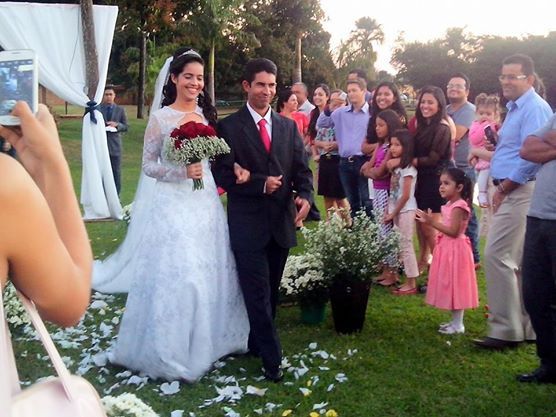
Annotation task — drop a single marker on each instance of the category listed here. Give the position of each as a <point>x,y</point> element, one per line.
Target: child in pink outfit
<point>488,114</point>
<point>452,283</point>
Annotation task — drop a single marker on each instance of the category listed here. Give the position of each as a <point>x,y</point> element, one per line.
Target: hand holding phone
<point>18,81</point>
<point>490,135</point>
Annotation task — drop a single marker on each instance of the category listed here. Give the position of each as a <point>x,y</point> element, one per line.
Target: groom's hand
<point>272,184</point>
<point>303,208</point>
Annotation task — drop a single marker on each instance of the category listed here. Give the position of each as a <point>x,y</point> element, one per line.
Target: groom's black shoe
<point>274,376</point>
<point>540,375</point>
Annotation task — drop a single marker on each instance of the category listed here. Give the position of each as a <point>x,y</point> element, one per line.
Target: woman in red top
<point>287,106</point>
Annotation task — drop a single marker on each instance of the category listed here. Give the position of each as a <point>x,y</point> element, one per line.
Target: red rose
<point>177,143</point>
<point>209,131</point>
<point>176,133</point>
<point>191,129</point>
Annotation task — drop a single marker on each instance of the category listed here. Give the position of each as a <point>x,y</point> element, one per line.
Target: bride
<point>184,310</point>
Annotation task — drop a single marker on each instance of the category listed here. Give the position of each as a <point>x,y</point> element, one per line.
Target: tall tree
<point>283,23</point>
<point>358,50</point>
<point>143,19</point>
<point>219,22</point>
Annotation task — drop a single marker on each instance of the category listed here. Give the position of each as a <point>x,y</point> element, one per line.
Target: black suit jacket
<point>114,138</point>
<point>253,216</point>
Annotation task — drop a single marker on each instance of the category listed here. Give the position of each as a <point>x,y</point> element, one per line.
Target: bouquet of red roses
<point>192,142</point>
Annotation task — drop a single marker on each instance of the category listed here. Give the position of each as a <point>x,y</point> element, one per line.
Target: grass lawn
<point>397,366</point>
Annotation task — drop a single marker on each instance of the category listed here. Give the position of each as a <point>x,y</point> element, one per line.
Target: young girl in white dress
<point>185,309</point>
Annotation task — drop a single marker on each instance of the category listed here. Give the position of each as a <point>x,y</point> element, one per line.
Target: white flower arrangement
<point>126,405</point>
<point>126,212</point>
<point>303,278</point>
<point>16,316</point>
<point>356,251</point>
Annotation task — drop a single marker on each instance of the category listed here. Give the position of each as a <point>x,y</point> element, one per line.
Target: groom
<point>262,212</point>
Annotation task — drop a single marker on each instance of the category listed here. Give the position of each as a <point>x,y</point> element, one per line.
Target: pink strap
<point>6,352</point>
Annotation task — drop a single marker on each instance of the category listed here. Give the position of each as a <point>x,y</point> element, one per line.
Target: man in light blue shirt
<point>350,124</point>
<point>514,177</point>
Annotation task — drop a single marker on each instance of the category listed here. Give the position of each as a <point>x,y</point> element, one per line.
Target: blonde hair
<point>484,99</point>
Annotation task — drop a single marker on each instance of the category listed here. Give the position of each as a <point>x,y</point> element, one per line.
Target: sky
<point>423,20</point>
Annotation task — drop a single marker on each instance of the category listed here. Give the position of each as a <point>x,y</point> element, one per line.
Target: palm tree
<point>359,49</point>
<point>220,20</point>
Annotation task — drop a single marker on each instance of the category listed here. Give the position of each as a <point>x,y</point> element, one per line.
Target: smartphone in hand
<point>490,135</point>
<point>18,81</point>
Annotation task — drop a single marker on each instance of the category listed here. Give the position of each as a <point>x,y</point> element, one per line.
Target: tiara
<point>190,52</point>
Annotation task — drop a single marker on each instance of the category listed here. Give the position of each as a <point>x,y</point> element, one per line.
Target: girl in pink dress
<point>488,114</point>
<point>452,283</point>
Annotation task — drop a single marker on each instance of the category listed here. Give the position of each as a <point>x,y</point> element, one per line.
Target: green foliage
<point>358,50</point>
<point>480,57</point>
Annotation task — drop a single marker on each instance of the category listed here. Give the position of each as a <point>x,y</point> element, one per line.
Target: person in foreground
<point>184,310</point>
<point>539,251</point>
<point>53,267</point>
<point>262,212</point>
<point>452,281</point>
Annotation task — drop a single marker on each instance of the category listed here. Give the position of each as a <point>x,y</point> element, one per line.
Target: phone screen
<point>16,83</point>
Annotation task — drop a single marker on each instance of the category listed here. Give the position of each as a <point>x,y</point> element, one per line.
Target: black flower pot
<point>349,304</point>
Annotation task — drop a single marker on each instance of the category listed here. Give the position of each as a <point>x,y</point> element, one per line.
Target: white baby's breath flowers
<point>303,276</point>
<point>126,405</point>
<point>16,316</point>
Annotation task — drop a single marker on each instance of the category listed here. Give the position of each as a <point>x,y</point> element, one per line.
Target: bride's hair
<point>182,57</point>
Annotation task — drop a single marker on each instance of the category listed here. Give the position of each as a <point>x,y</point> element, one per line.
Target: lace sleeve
<point>152,149</point>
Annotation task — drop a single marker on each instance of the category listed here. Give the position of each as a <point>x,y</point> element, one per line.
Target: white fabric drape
<point>54,32</point>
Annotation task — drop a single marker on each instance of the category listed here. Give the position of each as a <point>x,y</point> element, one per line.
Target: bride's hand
<point>242,175</point>
<point>195,171</point>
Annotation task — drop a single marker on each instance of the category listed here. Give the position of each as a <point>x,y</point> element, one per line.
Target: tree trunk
<point>91,58</point>
<point>297,76</point>
<point>142,71</point>
<point>211,73</point>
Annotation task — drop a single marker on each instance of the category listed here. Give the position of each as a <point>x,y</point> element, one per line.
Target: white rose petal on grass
<point>170,389</point>
<point>270,407</point>
<point>313,345</point>
<point>98,304</point>
<point>305,391</point>
<point>100,359</point>
<point>251,390</point>
<point>341,378</point>
<point>176,413</point>
<point>137,380</point>
<point>319,406</point>
<point>230,393</point>
<point>330,388</point>
<point>321,354</point>
<point>230,412</point>
<point>124,374</point>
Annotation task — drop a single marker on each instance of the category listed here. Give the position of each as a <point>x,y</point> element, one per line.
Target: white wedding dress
<point>185,309</point>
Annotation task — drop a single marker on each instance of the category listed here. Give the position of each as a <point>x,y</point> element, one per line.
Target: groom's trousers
<point>259,273</point>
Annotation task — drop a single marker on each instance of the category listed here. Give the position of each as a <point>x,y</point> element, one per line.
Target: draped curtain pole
<point>91,57</point>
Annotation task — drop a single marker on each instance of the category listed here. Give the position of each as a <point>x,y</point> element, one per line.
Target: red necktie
<point>265,138</point>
